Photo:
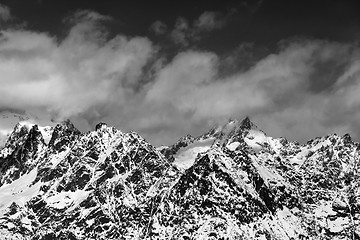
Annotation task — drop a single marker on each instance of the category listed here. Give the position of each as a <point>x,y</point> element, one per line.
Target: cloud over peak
<point>304,89</point>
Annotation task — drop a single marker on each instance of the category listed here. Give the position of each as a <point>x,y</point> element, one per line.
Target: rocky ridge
<point>233,182</point>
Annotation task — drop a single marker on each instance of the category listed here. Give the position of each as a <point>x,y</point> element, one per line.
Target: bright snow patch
<point>46,132</point>
<point>57,158</point>
<point>255,139</point>
<point>324,210</point>
<point>269,176</point>
<point>27,124</point>
<point>338,225</point>
<point>185,158</point>
<point>232,146</point>
<point>19,191</point>
<point>66,199</point>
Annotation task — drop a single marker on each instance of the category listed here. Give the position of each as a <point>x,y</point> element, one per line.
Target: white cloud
<point>91,78</point>
<point>82,71</point>
<point>276,91</point>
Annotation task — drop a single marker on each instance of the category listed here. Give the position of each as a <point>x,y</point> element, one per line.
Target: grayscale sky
<point>169,68</point>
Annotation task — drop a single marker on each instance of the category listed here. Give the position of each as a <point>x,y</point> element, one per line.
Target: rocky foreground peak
<point>233,182</point>
<point>247,124</point>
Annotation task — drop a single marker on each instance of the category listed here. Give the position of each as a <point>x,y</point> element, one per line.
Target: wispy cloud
<point>182,33</point>
<point>158,27</point>
<point>185,33</point>
<point>5,14</point>
<point>209,21</point>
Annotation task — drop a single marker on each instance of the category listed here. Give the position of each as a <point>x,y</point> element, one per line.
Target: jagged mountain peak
<point>233,126</point>
<point>234,131</point>
<point>35,134</point>
<point>233,183</point>
<point>63,133</point>
<point>246,123</point>
<point>347,138</point>
<point>11,117</point>
<point>232,134</point>
<point>100,126</point>
<point>22,153</point>
<point>21,130</point>
<point>66,124</point>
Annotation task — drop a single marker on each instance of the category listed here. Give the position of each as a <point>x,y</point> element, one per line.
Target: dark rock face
<point>107,184</point>
<point>63,134</point>
<point>23,157</point>
<point>209,189</point>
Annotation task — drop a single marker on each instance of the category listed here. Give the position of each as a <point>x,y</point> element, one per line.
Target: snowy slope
<point>19,191</point>
<point>186,156</point>
<point>233,182</point>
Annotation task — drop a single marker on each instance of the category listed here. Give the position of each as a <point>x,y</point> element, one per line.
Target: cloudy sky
<point>168,68</point>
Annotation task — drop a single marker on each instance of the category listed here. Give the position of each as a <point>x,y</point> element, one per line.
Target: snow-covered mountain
<point>8,119</point>
<point>11,118</point>
<point>233,182</point>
